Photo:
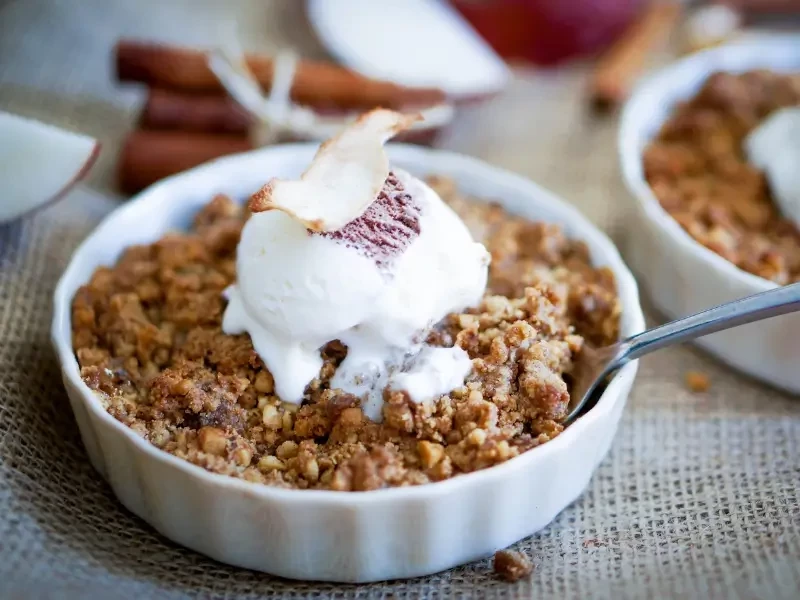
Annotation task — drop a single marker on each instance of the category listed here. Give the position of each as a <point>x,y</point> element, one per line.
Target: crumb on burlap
<point>512,565</point>
<point>697,381</point>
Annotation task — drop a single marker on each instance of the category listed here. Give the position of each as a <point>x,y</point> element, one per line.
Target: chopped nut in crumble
<point>148,337</point>
<point>697,382</point>
<point>512,565</point>
<point>698,170</point>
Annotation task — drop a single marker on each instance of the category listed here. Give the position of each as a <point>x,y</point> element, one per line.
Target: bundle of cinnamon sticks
<point>188,118</point>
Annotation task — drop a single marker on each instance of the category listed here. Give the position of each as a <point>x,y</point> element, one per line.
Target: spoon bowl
<point>596,364</point>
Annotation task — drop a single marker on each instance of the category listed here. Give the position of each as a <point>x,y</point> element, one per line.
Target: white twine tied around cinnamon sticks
<point>275,116</point>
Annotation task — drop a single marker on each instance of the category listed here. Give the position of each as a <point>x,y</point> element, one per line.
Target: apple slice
<point>39,163</point>
<point>344,178</point>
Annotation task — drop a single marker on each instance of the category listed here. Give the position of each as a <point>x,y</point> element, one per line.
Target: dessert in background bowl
<point>706,149</point>
<point>723,166</point>
<point>345,333</point>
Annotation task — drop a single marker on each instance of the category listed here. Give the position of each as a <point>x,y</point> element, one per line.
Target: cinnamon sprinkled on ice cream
<point>386,228</point>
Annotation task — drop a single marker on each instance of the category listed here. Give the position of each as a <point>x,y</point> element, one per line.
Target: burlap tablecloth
<point>698,497</point>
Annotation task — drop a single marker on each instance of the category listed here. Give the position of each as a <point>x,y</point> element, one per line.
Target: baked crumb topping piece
<point>512,565</point>
<point>698,170</point>
<point>697,381</point>
<point>147,334</point>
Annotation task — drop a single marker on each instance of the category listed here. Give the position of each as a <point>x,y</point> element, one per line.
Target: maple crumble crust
<point>698,170</point>
<point>147,334</point>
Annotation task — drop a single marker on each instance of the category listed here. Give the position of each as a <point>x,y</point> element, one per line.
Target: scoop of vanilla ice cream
<point>296,291</point>
<point>350,252</point>
<point>442,271</point>
<point>774,147</point>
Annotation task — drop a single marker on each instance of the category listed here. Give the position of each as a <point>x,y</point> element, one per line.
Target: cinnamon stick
<point>315,84</point>
<point>148,156</point>
<point>168,109</point>
<point>176,111</point>
<point>618,69</point>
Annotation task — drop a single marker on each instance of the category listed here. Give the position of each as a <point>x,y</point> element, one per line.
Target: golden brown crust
<point>147,334</point>
<point>261,200</point>
<point>697,169</point>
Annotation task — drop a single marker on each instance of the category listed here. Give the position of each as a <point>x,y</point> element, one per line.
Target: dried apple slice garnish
<point>345,176</point>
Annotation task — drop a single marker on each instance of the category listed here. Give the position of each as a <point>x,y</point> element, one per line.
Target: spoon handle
<point>767,304</point>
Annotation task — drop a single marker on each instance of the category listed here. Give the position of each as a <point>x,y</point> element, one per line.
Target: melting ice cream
<point>774,147</point>
<point>357,253</point>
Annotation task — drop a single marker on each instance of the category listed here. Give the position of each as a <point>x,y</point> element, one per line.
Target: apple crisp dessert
<point>148,337</point>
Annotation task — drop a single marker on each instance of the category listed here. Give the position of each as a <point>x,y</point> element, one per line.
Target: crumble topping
<point>699,172</point>
<point>697,381</point>
<point>147,334</point>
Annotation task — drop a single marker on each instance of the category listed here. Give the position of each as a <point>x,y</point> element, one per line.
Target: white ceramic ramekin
<point>324,535</point>
<point>680,275</point>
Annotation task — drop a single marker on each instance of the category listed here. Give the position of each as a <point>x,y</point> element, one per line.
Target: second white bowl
<point>680,275</point>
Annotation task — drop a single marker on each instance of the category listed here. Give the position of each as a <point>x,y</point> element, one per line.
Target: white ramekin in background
<point>325,535</point>
<point>680,275</point>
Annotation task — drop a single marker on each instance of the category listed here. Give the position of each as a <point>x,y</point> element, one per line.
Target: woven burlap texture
<point>698,497</point>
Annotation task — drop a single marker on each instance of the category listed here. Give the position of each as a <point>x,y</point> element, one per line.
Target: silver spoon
<point>596,364</point>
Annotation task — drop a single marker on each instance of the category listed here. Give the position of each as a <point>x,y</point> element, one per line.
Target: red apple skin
<point>83,172</point>
<point>548,32</point>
